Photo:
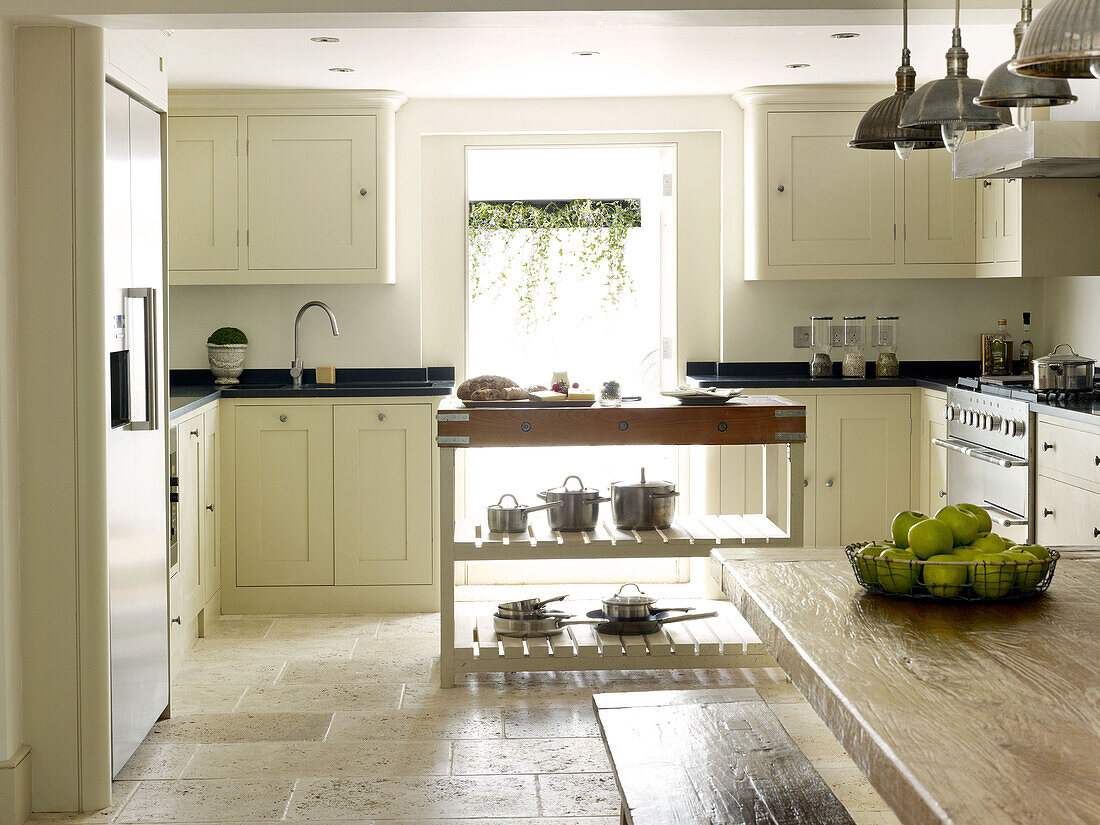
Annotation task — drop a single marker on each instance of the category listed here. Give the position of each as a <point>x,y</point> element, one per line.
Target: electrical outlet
<point>836,335</point>
<point>801,337</point>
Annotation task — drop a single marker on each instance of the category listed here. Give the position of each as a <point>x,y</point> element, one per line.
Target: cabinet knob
<point>780,188</point>
<point>1047,512</point>
<point>986,184</point>
<point>943,493</point>
<point>1096,532</point>
<point>177,621</point>
<point>194,433</point>
<point>1098,461</point>
<point>381,416</point>
<point>210,507</point>
<point>363,192</point>
<point>805,482</point>
<point>829,483</point>
<point>1047,446</point>
<point>283,418</point>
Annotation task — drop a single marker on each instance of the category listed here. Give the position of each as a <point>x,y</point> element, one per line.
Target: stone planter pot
<point>226,362</point>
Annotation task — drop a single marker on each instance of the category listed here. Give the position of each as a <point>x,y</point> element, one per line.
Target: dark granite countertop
<point>937,375</point>
<point>1085,412</point>
<point>192,389</point>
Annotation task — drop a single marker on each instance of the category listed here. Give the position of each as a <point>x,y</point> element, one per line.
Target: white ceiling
<point>531,56</point>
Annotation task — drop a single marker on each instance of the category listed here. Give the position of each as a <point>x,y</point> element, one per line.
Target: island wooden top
<point>958,713</point>
<point>761,419</point>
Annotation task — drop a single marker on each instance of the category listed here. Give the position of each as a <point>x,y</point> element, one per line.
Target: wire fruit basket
<point>969,581</point>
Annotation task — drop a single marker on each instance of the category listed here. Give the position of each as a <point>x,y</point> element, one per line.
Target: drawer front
<point>1065,514</point>
<point>1067,450</point>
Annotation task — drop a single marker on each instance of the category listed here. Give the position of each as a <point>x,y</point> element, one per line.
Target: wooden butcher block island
<point>959,714</point>
<point>468,643</point>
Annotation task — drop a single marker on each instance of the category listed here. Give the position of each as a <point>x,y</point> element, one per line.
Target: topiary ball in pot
<point>226,349</point>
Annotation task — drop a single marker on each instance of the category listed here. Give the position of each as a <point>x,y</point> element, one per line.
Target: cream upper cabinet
<point>1008,237</point>
<point>998,221</point>
<point>283,456</point>
<point>202,193</point>
<point>864,465</point>
<point>933,459</point>
<point>311,188</point>
<point>312,194</point>
<point>939,211</point>
<point>383,512</point>
<point>827,203</point>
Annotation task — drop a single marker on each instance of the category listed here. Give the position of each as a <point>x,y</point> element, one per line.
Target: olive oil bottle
<point>1001,349</point>
<point>1027,349</point>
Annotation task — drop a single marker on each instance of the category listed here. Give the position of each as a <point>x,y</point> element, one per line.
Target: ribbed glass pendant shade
<point>1064,41</point>
<point>1004,88</point>
<point>879,128</point>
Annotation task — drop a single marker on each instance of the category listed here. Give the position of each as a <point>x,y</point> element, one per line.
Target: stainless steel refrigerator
<point>136,441</point>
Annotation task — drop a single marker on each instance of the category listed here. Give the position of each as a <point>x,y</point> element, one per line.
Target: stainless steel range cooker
<point>990,448</point>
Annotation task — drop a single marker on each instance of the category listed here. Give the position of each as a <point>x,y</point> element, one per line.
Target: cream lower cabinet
<point>864,465</point>
<point>284,495</point>
<point>933,459</point>
<point>1067,488</point>
<point>210,545</point>
<point>333,494</point>
<point>382,514</point>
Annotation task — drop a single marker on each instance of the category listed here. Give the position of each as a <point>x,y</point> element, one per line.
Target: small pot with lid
<point>577,509</point>
<point>511,519</point>
<point>1063,371</point>
<point>643,505</point>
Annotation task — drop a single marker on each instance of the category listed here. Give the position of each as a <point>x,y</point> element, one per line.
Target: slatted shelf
<point>723,641</point>
<point>688,536</point>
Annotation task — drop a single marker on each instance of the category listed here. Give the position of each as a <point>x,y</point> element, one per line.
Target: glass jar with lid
<point>855,352</point>
<point>886,340</point>
<point>821,343</point>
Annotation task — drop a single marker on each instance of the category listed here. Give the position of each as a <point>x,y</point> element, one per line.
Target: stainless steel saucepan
<point>643,505</point>
<point>630,608</point>
<point>1064,371</point>
<point>501,519</point>
<point>580,508</point>
<point>546,626</point>
<point>527,606</point>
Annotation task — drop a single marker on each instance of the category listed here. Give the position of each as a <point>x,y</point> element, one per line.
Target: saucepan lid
<point>1070,358</point>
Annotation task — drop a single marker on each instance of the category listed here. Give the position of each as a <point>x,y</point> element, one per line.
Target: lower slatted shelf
<point>722,641</point>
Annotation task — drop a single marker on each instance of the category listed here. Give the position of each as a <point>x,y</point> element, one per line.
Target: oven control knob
<point>1008,427</point>
<point>983,421</point>
<point>994,423</point>
<point>1020,426</point>
<point>949,412</point>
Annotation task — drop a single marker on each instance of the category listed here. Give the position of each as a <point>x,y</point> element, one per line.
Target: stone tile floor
<point>341,719</point>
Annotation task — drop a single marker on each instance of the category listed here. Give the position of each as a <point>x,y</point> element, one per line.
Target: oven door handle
<point>1002,517</point>
<point>981,454</point>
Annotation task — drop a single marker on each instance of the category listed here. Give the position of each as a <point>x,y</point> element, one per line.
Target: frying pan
<point>641,627</point>
<point>525,606</point>
<point>546,626</point>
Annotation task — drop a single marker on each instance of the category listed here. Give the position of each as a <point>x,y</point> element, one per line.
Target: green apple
<point>866,564</point>
<point>966,552</point>
<point>985,523</point>
<point>1008,543</point>
<point>946,576</point>
<point>930,537</point>
<point>992,575</point>
<point>1029,570</point>
<point>964,525</point>
<point>897,570</point>
<point>899,527</point>
<point>989,543</point>
<point>1037,550</point>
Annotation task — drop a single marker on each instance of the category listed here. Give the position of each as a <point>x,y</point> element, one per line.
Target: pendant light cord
<point>905,26</point>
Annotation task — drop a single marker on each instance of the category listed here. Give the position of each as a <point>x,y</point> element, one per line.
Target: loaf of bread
<point>487,394</point>
<point>468,387</point>
<point>536,388</point>
<point>514,394</point>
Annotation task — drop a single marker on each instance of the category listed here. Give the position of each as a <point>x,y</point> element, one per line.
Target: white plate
<point>726,393</point>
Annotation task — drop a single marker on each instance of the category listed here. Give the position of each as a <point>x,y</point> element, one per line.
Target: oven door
<point>997,481</point>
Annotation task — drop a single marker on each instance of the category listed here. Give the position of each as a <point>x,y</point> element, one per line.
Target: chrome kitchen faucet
<point>296,364</point>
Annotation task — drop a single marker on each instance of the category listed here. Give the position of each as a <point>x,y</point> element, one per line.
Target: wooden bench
<point>709,757</point>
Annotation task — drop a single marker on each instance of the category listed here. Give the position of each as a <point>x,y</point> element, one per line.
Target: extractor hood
<point>1049,149</point>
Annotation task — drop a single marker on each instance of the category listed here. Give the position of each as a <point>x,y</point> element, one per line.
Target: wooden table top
<point>760,419</point>
<point>958,713</point>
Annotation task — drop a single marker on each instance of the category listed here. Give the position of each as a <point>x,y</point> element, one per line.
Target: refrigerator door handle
<point>149,296</point>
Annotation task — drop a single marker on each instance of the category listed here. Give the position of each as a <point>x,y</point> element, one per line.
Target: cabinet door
<point>202,193</point>
<point>1065,514</point>
<point>939,211</point>
<point>863,466</point>
<point>933,459</point>
<point>283,485</point>
<point>748,476</point>
<point>210,545</point>
<point>312,202</point>
<point>989,199</point>
<point>827,203</point>
<point>1008,239</point>
<point>189,520</point>
<point>383,494</point>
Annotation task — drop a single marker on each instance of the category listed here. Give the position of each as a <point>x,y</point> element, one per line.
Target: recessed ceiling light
<point>586,53</point>
<point>324,39</point>
<point>844,35</point>
<point>797,66</point>
<point>341,69</point>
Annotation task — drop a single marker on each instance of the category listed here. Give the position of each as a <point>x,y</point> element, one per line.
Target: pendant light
<point>879,129</point>
<point>949,103</point>
<point>1004,89</point>
<point>1064,41</point>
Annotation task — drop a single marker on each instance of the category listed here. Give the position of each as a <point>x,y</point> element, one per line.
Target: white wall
<point>381,325</point>
<point>11,700</point>
<point>1073,308</point>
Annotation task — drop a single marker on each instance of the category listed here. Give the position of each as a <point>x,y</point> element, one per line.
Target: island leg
<point>446,567</point>
<point>796,510</point>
